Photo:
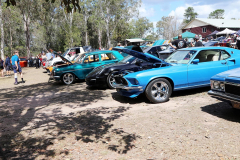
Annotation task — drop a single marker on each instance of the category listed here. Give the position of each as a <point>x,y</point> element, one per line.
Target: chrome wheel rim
<point>160,90</point>
<point>68,78</point>
<point>111,80</point>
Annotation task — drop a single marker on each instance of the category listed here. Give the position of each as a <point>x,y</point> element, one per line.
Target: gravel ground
<point>41,120</point>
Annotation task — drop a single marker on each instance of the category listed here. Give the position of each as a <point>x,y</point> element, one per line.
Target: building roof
<point>219,23</point>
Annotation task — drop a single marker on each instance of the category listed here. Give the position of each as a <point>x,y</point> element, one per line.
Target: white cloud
<point>143,12</point>
<point>203,10</point>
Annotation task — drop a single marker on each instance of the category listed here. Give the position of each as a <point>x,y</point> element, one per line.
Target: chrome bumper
<point>119,86</point>
<point>53,77</point>
<point>224,96</point>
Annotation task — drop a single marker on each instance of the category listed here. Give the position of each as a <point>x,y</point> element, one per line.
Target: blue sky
<point>156,9</point>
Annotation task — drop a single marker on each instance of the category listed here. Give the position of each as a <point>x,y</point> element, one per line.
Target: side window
<point>77,50</point>
<point>72,52</point>
<point>153,50</point>
<point>207,56</point>
<point>91,59</point>
<point>107,57</point>
<point>224,55</point>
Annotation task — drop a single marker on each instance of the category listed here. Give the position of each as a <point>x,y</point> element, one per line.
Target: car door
<point>89,63</point>
<point>231,61</point>
<point>107,58</point>
<point>209,65</point>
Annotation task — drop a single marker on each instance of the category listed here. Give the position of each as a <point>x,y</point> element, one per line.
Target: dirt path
<point>39,120</point>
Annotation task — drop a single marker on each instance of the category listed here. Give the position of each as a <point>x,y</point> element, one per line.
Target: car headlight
<point>217,85</point>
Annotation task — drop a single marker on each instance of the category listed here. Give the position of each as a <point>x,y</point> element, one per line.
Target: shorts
<point>1,67</point>
<point>15,68</point>
<point>8,68</point>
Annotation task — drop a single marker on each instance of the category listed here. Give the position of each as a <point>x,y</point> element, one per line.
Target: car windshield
<point>64,54</point>
<point>147,49</point>
<point>76,58</point>
<point>81,58</point>
<point>128,59</point>
<point>180,57</point>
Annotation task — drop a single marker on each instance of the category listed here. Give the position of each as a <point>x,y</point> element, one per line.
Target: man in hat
<point>198,43</point>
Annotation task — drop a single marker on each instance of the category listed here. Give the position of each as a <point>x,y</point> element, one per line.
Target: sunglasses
<point>16,52</point>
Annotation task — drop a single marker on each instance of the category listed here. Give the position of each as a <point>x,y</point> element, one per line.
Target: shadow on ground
<point>139,99</point>
<point>223,110</point>
<point>26,131</point>
<point>143,99</point>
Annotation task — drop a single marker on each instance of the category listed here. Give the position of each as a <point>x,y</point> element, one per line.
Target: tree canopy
<point>35,25</point>
<point>190,14</point>
<point>217,14</point>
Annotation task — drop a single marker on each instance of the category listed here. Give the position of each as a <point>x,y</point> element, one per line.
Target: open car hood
<point>63,58</point>
<point>145,56</point>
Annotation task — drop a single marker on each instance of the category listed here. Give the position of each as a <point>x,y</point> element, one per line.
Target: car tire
<point>110,80</point>
<point>68,78</point>
<point>158,90</point>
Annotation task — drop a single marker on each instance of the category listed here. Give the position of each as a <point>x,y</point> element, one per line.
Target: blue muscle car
<point>226,85</point>
<point>184,69</point>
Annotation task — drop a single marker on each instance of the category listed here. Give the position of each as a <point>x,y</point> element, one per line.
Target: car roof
<point>204,48</point>
<point>101,51</point>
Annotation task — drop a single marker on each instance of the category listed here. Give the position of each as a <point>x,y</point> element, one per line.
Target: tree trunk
<point>107,29</point>
<point>86,32</point>
<point>27,32</point>
<point>70,27</point>
<point>100,38</point>
<point>2,32</point>
<point>11,52</point>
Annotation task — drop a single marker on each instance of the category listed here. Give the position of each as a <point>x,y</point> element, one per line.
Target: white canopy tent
<point>226,31</point>
<point>135,40</point>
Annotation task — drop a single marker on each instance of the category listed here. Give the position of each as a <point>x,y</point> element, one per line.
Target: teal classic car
<point>69,72</point>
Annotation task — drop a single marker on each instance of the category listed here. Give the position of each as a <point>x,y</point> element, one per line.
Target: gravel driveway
<point>40,120</point>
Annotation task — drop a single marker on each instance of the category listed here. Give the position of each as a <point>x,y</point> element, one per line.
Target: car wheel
<point>158,90</point>
<point>68,78</point>
<point>111,80</point>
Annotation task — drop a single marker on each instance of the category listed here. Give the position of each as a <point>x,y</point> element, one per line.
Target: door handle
<point>224,62</point>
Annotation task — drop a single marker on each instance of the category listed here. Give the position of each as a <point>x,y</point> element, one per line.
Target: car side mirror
<point>195,61</point>
<point>139,62</point>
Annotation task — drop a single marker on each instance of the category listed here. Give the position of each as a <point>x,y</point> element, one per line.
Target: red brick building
<point>205,26</point>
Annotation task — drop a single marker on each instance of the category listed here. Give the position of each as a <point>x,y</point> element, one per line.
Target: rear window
<point>23,59</point>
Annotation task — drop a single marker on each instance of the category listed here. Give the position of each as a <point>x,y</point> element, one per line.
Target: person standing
<point>198,43</point>
<point>238,42</point>
<point>179,43</point>
<point>16,66</point>
<point>1,66</point>
<point>49,55</point>
<point>37,62</point>
<point>8,65</point>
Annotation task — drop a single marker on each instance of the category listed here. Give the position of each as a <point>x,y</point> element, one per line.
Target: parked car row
<point>133,71</point>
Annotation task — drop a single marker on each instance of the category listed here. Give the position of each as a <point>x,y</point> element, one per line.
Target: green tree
<point>217,14</point>
<point>190,14</point>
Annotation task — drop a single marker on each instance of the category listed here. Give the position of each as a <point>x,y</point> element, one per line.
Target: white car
<point>68,54</point>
